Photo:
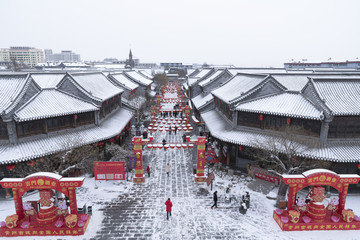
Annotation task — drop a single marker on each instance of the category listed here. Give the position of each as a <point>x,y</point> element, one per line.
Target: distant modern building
<point>328,64</point>
<point>27,55</point>
<point>64,56</point>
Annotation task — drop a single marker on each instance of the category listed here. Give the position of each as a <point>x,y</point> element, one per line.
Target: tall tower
<point>130,62</point>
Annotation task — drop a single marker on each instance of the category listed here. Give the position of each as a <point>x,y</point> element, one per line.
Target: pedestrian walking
<point>215,200</point>
<point>247,200</point>
<point>168,169</point>
<point>175,130</point>
<point>169,205</point>
<point>184,138</point>
<point>148,170</point>
<point>169,130</point>
<point>164,143</point>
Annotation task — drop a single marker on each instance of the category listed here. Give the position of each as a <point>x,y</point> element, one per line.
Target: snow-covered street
<point>124,210</point>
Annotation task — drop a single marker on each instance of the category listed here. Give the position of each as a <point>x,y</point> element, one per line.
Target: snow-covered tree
<point>284,153</point>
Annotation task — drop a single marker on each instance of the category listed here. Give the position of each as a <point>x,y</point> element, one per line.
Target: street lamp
<point>133,130</point>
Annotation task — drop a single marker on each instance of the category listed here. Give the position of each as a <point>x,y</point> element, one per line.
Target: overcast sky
<point>258,33</point>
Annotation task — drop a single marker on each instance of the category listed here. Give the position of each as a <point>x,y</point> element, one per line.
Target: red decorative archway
<point>315,178</point>
<point>43,181</point>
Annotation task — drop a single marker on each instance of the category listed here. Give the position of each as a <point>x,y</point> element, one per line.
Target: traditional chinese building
<point>41,114</point>
<point>249,107</point>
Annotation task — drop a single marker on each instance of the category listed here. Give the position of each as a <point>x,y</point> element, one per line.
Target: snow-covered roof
<point>235,71</point>
<point>208,80</point>
<point>192,80</point>
<point>96,85</point>
<point>341,96</point>
<point>44,174</point>
<point>52,103</point>
<point>237,86</point>
<point>47,80</point>
<point>288,104</point>
<point>124,81</point>
<point>332,150</point>
<point>203,72</point>
<point>201,100</point>
<point>11,87</point>
<point>146,74</point>
<point>318,170</point>
<point>42,145</point>
<point>135,76</point>
<point>292,82</point>
<point>186,86</point>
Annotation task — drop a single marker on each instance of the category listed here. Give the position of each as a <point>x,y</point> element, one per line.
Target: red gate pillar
<point>187,113</point>
<point>291,197</point>
<point>342,197</point>
<point>72,200</point>
<point>200,168</point>
<point>18,203</point>
<point>139,171</point>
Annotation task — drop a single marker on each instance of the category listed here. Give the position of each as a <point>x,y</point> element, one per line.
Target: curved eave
<point>309,156</point>
<point>17,119</point>
<point>281,114</point>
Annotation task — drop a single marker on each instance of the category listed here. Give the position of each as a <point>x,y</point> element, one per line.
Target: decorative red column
<point>200,168</point>
<point>18,203</point>
<point>342,197</point>
<point>139,171</point>
<point>291,197</point>
<point>72,200</point>
<point>187,113</point>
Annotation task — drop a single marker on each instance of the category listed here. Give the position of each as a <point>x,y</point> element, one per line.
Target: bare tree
<point>74,158</point>
<point>15,65</point>
<point>284,154</point>
<point>139,103</point>
<point>160,80</point>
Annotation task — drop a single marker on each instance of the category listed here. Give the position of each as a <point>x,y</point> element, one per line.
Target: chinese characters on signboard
<point>109,170</point>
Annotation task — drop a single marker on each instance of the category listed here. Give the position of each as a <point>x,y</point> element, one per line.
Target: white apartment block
<point>27,55</point>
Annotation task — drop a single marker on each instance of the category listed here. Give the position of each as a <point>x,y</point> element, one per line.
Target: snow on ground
<point>91,193</point>
<point>192,217</point>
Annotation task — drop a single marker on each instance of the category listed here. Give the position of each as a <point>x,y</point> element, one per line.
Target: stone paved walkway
<point>140,214</point>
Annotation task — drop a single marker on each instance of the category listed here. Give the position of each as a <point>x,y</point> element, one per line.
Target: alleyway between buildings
<point>140,213</point>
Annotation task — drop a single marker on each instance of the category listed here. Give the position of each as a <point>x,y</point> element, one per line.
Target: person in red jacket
<point>148,170</point>
<point>168,204</point>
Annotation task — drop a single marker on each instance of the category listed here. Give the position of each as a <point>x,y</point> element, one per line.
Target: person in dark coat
<point>148,170</point>
<point>164,142</point>
<point>175,130</point>
<point>184,138</point>
<point>247,200</point>
<point>169,205</point>
<point>215,200</point>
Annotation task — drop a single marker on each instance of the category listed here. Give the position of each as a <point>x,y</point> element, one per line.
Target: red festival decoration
<point>109,170</point>
<point>288,121</point>
<point>261,117</point>
<point>358,165</point>
<point>43,223</point>
<point>139,171</point>
<point>317,217</point>
<point>200,142</point>
<point>10,167</point>
<point>240,148</point>
<point>75,117</point>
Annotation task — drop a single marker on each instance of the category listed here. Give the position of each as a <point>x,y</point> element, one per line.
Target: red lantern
<point>358,165</point>
<point>75,117</point>
<point>111,140</point>
<point>261,117</point>
<point>240,148</point>
<point>118,136</point>
<point>31,163</point>
<point>10,167</point>
<point>106,102</point>
<point>288,121</point>
<point>101,144</point>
